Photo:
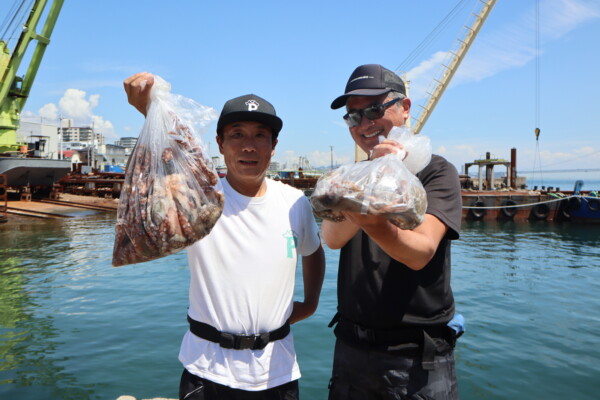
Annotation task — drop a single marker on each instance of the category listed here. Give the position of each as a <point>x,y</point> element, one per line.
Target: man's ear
<point>274,143</point>
<point>406,107</point>
<point>406,103</point>
<point>219,140</point>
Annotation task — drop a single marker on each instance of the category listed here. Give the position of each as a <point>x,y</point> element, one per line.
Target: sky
<point>299,55</point>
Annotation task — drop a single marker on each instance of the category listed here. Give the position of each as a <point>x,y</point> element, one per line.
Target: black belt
<point>389,338</point>
<point>237,342</point>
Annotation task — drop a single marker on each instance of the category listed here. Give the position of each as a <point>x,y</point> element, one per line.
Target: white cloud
<point>586,150</point>
<point>75,104</point>
<point>94,100</point>
<point>49,111</point>
<point>559,17</point>
<point>104,127</point>
<point>28,115</point>
<point>511,46</point>
<point>527,159</point>
<point>420,78</point>
<point>514,45</point>
<point>582,157</point>
<point>457,154</point>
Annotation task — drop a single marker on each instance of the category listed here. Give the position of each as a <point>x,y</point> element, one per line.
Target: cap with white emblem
<point>249,107</point>
<point>370,80</point>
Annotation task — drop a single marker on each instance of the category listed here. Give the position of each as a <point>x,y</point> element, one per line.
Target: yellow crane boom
<point>450,70</point>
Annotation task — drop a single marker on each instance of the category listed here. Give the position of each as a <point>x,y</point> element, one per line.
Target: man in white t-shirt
<point>239,345</point>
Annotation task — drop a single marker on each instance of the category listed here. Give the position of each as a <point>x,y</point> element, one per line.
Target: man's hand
<point>138,88</point>
<point>302,310</point>
<point>313,272</point>
<point>364,221</point>
<point>387,147</point>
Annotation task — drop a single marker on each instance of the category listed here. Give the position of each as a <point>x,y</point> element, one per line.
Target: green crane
<point>14,90</point>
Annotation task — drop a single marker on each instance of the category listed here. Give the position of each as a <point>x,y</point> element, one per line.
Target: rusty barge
<point>488,198</point>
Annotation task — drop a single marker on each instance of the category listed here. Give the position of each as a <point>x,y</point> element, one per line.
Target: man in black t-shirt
<point>394,295</point>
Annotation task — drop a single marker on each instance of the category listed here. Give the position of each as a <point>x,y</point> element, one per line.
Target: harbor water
<point>74,327</point>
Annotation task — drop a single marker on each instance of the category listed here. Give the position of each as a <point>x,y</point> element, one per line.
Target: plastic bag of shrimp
<point>171,196</point>
<point>385,186</point>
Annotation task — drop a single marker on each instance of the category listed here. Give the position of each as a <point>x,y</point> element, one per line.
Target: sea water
<point>74,327</point>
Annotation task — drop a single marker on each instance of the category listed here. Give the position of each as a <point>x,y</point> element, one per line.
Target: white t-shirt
<point>242,282</point>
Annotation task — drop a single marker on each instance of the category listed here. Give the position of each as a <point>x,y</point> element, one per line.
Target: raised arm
<point>137,88</point>
<point>313,273</point>
<point>337,234</point>
<point>414,248</point>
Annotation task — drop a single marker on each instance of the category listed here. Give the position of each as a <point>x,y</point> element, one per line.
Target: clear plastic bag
<point>386,186</point>
<point>171,196</point>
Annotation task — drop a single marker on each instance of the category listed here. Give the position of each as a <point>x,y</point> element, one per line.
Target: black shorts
<point>193,387</point>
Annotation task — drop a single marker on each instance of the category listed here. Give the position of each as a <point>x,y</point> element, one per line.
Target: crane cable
<point>11,15</point>
<point>537,68</point>
<point>435,32</point>
<point>14,19</point>
<point>537,96</point>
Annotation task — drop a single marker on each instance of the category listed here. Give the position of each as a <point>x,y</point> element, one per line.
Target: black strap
<point>428,356</point>
<point>237,342</point>
<point>334,320</point>
<point>349,330</point>
<point>423,337</point>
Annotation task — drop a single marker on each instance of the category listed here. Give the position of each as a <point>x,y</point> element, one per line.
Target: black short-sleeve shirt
<point>379,292</point>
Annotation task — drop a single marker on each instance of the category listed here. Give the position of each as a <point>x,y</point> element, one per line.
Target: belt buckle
<point>227,340</point>
<point>245,342</point>
<point>261,341</point>
<point>253,342</point>
<point>364,334</point>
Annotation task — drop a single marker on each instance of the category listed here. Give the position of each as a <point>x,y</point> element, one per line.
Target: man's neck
<point>254,189</point>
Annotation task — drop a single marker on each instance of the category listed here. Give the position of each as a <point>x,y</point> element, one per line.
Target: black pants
<point>193,387</point>
<point>362,373</point>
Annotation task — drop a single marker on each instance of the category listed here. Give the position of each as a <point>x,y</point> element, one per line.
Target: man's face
<point>247,148</point>
<point>366,134</point>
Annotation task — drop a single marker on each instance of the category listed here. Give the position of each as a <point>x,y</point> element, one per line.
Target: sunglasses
<point>354,118</point>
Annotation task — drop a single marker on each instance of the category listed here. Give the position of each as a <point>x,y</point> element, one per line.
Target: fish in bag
<point>171,196</point>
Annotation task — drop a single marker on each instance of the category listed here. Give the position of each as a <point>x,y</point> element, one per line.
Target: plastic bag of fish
<point>171,196</point>
<point>386,186</point>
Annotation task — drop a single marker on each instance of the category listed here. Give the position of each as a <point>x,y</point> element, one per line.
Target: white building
<point>110,155</point>
<point>127,142</point>
<point>83,134</point>
<point>42,139</point>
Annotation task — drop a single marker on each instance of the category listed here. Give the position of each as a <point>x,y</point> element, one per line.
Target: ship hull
<point>513,205</point>
<point>33,171</point>
<point>585,209</point>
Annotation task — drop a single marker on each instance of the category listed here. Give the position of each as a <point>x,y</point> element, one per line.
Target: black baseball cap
<point>370,80</point>
<point>249,107</point>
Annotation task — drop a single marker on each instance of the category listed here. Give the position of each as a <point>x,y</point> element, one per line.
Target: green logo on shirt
<point>292,242</point>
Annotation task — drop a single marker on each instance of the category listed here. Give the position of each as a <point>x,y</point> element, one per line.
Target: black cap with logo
<point>249,108</point>
<point>370,80</point>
